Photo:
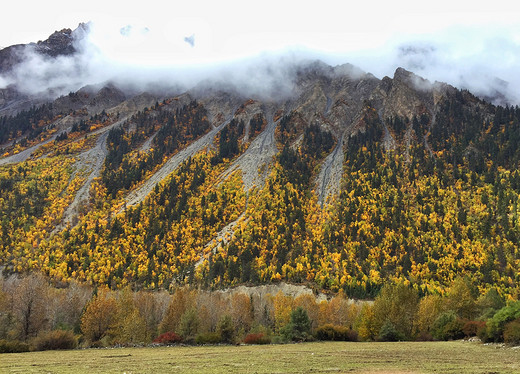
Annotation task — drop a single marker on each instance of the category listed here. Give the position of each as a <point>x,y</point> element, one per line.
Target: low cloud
<point>4,82</point>
<point>486,62</point>
<point>132,58</point>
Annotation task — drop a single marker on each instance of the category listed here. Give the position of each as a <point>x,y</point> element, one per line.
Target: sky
<point>471,44</point>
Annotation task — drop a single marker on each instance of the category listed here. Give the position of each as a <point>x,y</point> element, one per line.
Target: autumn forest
<point>427,201</point>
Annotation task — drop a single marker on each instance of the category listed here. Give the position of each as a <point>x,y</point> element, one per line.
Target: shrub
<point>512,332</point>
<point>389,333</point>
<point>352,336</point>
<point>483,334</point>
<point>490,303</point>
<point>448,326</point>
<point>398,304</point>
<point>424,337</point>
<point>98,317</point>
<point>55,339</point>
<point>472,328</point>
<point>13,346</point>
<point>327,332</point>
<point>189,325</point>
<point>225,329</point>
<point>208,338</point>
<point>495,325</point>
<point>259,338</point>
<point>299,327</point>
<point>335,333</point>
<point>168,338</point>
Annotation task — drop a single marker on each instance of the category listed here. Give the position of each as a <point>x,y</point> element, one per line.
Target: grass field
<point>334,357</point>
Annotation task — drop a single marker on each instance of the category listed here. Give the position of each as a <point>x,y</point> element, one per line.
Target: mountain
<point>348,183</point>
<point>59,44</point>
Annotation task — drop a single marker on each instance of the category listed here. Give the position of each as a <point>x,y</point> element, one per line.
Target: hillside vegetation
<point>38,316</point>
<point>429,189</point>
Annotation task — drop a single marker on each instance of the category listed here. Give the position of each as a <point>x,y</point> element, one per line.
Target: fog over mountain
<point>484,61</point>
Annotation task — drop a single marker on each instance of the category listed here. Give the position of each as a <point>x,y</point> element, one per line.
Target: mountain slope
<point>349,183</point>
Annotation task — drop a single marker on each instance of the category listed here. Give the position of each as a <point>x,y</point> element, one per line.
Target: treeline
<point>29,122</point>
<point>256,125</point>
<point>32,194</point>
<point>155,242</point>
<point>431,214</point>
<point>272,244</point>
<point>228,141</point>
<point>35,315</point>
<point>298,164</point>
<point>125,165</point>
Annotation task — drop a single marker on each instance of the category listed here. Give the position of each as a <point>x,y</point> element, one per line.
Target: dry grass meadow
<point>332,357</point>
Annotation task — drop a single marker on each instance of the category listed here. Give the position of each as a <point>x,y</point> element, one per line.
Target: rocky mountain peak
<point>58,43</point>
<point>402,74</point>
<point>350,71</point>
<point>412,80</point>
<point>312,71</point>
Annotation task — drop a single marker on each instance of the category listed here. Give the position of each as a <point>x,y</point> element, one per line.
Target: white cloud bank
<point>485,61</point>
<point>257,56</point>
